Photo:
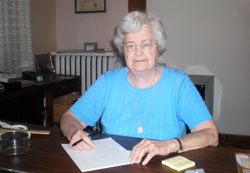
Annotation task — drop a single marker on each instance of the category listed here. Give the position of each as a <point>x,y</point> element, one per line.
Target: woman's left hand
<point>150,148</point>
<point>202,135</point>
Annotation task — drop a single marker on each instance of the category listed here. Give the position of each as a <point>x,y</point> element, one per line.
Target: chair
<point>97,127</point>
<point>44,63</point>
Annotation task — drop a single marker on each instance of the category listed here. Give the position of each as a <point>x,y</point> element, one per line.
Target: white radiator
<point>87,65</point>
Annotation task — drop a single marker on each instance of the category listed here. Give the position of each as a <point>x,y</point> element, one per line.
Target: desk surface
<point>47,155</point>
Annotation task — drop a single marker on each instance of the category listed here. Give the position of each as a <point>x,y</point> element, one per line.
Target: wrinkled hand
<point>86,144</point>
<point>151,148</point>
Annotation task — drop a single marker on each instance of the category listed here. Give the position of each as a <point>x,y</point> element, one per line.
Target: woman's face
<point>140,49</point>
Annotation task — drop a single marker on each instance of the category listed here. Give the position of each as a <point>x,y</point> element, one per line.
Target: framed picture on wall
<point>90,6</point>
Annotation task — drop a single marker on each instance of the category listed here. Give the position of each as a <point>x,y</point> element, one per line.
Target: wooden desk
<point>47,155</point>
<point>34,104</point>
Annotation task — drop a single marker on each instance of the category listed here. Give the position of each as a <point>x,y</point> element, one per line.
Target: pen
<point>92,134</point>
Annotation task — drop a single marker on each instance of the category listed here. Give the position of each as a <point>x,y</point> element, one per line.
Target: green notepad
<point>178,163</point>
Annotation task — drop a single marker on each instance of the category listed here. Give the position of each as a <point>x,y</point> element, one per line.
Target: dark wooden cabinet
<point>34,104</point>
<point>31,108</point>
<point>27,108</point>
<point>9,108</point>
<point>65,87</point>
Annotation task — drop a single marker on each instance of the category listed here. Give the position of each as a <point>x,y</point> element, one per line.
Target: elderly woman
<point>143,99</point>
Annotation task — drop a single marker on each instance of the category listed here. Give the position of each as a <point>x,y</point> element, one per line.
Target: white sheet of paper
<point>106,153</point>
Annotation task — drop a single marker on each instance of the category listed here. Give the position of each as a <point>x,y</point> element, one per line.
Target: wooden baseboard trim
<point>238,141</point>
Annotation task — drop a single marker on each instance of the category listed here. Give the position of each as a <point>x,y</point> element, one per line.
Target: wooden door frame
<point>139,5</point>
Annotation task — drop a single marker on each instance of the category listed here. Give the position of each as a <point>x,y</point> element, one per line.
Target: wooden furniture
<point>34,104</point>
<point>238,141</point>
<point>47,155</point>
<point>62,104</point>
<point>139,5</point>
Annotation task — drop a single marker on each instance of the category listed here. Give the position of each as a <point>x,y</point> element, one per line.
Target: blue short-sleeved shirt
<point>161,110</point>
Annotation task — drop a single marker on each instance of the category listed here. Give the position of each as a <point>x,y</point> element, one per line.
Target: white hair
<point>133,22</point>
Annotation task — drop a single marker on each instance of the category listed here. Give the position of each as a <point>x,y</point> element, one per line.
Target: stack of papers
<point>7,77</point>
<point>106,153</point>
<point>178,163</point>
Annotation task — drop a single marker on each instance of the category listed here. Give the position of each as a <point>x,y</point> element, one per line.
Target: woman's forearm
<point>199,139</point>
<point>69,124</point>
<point>201,136</point>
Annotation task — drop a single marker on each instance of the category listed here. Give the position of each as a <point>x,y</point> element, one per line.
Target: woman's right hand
<point>85,144</point>
<point>72,128</point>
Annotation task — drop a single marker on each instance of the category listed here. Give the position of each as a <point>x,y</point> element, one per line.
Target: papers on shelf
<point>178,163</point>
<point>7,77</point>
<point>106,153</point>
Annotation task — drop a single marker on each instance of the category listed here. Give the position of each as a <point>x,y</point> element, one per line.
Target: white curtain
<point>15,36</point>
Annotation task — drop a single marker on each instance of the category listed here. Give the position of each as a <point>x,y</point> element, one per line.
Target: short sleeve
<point>89,107</point>
<point>191,107</point>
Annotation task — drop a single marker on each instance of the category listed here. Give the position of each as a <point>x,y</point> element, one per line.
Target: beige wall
<point>212,37</point>
<point>43,25</point>
<point>56,26</point>
<point>75,29</point>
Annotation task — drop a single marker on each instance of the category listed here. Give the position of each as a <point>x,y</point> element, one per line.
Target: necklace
<point>139,128</point>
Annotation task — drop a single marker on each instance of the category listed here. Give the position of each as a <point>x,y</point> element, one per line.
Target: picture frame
<point>90,6</point>
<point>89,46</point>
